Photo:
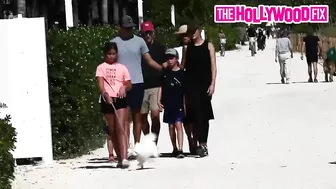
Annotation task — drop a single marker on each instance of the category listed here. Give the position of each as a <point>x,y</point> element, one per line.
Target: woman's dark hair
<point>110,45</point>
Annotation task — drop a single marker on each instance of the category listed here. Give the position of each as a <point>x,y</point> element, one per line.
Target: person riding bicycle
<point>252,34</point>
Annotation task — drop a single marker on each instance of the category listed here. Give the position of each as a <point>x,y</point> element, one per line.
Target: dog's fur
<point>145,149</point>
<point>329,70</point>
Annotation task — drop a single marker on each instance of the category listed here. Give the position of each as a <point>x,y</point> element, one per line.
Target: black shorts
<point>312,58</point>
<point>118,104</point>
<point>135,96</point>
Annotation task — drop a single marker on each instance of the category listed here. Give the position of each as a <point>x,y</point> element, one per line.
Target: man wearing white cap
<point>182,32</point>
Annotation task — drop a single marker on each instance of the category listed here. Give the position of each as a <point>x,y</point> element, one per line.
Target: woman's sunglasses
<point>147,33</point>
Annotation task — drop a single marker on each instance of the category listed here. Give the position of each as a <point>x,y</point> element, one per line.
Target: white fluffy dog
<point>145,149</point>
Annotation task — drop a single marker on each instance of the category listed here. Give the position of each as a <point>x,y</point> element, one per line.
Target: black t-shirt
<point>172,89</point>
<point>311,44</point>
<point>251,32</point>
<point>152,77</point>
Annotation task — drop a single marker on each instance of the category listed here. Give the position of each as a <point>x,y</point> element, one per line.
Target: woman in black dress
<point>199,62</point>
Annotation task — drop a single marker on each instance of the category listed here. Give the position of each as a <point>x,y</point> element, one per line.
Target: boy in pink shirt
<point>114,81</point>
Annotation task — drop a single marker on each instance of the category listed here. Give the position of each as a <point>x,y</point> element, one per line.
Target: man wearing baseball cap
<point>152,80</point>
<point>131,49</point>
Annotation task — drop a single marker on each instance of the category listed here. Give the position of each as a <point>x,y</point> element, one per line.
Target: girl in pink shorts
<point>114,81</point>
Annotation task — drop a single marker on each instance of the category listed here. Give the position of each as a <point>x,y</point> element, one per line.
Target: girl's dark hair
<point>110,45</point>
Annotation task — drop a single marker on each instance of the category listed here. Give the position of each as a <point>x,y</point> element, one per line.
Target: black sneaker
<point>193,151</point>
<point>310,80</point>
<point>202,151</point>
<point>180,154</point>
<point>175,153</point>
<point>282,80</point>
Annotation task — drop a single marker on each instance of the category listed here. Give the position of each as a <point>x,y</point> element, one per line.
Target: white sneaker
<point>123,164</point>
<point>287,81</point>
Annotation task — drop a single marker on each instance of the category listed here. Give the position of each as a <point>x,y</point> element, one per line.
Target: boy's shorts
<point>171,117</point>
<point>135,96</point>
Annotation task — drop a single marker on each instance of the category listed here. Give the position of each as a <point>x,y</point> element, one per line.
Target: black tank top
<point>198,67</point>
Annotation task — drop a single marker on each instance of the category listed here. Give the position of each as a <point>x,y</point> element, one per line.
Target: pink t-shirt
<point>114,76</point>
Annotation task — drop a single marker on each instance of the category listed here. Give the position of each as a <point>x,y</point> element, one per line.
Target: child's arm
<point>160,98</point>
<point>100,80</point>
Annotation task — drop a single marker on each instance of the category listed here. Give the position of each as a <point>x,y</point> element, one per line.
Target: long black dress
<point>197,81</point>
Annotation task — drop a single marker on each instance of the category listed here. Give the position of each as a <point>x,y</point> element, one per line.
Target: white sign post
<point>140,12</point>
<point>24,86</point>
<point>68,14</point>
<point>172,14</point>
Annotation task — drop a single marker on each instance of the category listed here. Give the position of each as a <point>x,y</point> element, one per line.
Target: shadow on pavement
<point>98,167</point>
<point>98,159</point>
<point>142,169</point>
<point>274,83</point>
<point>168,155</point>
<point>332,162</point>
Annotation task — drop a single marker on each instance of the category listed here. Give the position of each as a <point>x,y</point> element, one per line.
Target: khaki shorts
<point>149,102</point>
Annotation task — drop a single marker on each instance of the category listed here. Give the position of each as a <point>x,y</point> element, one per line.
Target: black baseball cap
<point>127,22</point>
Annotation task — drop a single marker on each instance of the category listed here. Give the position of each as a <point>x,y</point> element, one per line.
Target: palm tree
<point>104,11</point>
<point>21,7</point>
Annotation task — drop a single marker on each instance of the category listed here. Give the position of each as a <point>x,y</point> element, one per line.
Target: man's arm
<point>184,57</point>
<point>148,58</point>
<point>152,62</point>
<point>290,46</point>
<point>213,64</point>
<point>319,43</point>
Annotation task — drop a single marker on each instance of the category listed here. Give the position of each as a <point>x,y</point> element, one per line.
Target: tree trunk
<point>89,18</point>
<point>115,12</point>
<point>75,12</point>
<point>35,8</point>
<point>21,7</point>
<point>104,12</point>
<point>95,11</point>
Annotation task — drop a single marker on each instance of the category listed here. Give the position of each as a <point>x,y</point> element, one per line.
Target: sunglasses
<point>147,33</point>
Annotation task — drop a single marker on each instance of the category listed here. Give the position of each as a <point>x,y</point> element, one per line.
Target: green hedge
<point>73,55</point>
<point>7,140</point>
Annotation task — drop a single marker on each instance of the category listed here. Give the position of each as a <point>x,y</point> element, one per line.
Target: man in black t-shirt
<point>152,80</point>
<point>312,47</point>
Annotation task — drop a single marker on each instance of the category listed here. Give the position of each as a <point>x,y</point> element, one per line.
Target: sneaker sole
<point>181,156</point>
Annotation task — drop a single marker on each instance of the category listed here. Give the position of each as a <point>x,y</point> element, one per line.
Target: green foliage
<point>328,31</point>
<point>7,141</point>
<point>232,37</point>
<point>77,124</point>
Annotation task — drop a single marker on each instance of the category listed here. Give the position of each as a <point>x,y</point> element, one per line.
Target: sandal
<point>111,158</point>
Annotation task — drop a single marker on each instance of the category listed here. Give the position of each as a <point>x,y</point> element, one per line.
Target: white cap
<point>182,29</point>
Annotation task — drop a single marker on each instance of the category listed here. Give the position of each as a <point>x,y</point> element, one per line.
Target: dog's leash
<point>115,112</point>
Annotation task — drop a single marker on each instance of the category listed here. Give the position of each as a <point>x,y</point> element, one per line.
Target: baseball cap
<point>147,26</point>
<point>182,29</point>
<point>127,22</point>
<point>172,52</point>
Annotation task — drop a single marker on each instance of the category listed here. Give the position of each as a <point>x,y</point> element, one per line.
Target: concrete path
<point>266,136</point>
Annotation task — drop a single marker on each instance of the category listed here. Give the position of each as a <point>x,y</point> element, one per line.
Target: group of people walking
<point>312,49</point>
<point>142,77</point>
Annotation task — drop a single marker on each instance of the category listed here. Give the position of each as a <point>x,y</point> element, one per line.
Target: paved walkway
<point>265,136</point>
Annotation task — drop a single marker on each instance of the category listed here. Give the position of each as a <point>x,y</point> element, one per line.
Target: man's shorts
<point>135,96</point>
<point>311,58</point>
<point>149,102</point>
